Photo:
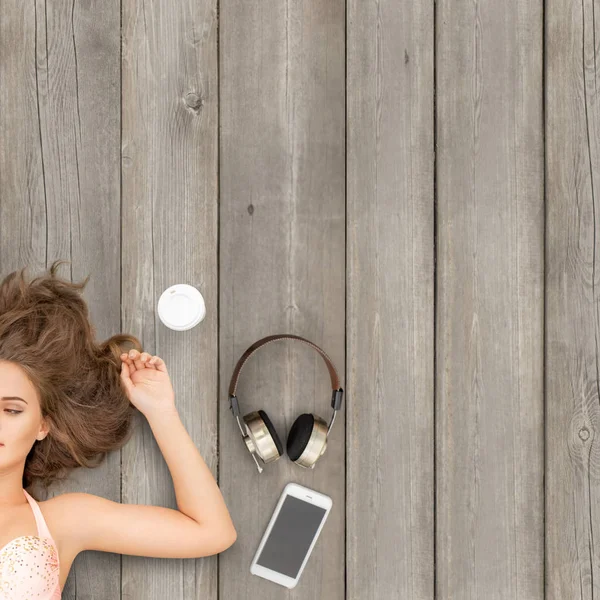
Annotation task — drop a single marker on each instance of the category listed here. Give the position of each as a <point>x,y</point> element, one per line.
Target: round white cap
<point>181,307</point>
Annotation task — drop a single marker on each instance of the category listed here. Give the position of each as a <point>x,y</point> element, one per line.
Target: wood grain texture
<point>281,157</point>
<point>390,277</point>
<point>572,373</point>
<point>59,187</point>
<point>489,341</point>
<point>170,216</point>
<point>282,229</point>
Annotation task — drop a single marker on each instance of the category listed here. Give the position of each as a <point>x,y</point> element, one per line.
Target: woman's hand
<point>147,383</point>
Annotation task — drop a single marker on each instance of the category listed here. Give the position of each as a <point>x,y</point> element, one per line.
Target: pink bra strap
<point>43,530</point>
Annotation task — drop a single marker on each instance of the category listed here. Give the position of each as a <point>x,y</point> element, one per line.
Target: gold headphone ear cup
<point>272,431</point>
<point>299,435</point>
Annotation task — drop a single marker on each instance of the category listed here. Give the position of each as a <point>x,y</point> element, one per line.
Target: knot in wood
<point>193,101</point>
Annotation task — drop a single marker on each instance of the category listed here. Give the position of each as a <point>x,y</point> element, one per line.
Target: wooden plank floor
<point>411,186</point>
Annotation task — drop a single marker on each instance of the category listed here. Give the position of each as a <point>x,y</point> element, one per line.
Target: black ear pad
<point>272,431</point>
<point>299,435</point>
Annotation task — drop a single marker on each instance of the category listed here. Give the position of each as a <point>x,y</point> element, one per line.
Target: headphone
<point>307,438</point>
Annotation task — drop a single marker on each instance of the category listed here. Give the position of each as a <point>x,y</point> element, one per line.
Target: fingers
<point>159,363</point>
<point>125,376</point>
<point>125,358</point>
<point>136,361</point>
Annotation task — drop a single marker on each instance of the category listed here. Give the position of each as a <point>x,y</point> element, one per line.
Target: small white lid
<point>181,307</point>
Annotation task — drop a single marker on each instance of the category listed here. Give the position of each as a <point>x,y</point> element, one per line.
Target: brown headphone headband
<point>335,382</point>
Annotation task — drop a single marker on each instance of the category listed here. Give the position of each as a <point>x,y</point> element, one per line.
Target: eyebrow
<point>13,398</point>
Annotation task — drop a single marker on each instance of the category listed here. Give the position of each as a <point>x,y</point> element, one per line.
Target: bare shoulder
<point>61,514</point>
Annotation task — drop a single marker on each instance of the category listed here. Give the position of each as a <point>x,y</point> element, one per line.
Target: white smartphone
<point>291,535</point>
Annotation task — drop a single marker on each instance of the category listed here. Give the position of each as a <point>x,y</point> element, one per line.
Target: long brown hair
<point>45,329</point>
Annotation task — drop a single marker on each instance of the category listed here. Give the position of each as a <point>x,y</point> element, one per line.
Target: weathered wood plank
<point>489,342</point>
<point>282,228</point>
<point>59,186</point>
<point>390,225</point>
<point>170,215</point>
<point>572,378</point>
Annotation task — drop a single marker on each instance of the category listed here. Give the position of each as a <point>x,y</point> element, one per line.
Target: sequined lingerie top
<point>29,564</point>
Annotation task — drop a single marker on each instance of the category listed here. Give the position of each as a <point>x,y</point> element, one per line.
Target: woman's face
<point>21,421</point>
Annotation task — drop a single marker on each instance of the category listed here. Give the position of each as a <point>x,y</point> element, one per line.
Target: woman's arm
<point>201,527</point>
<point>148,386</point>
<point>197,492</point>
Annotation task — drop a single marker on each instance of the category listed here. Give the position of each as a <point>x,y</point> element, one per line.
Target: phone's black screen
<point>291,536</point>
